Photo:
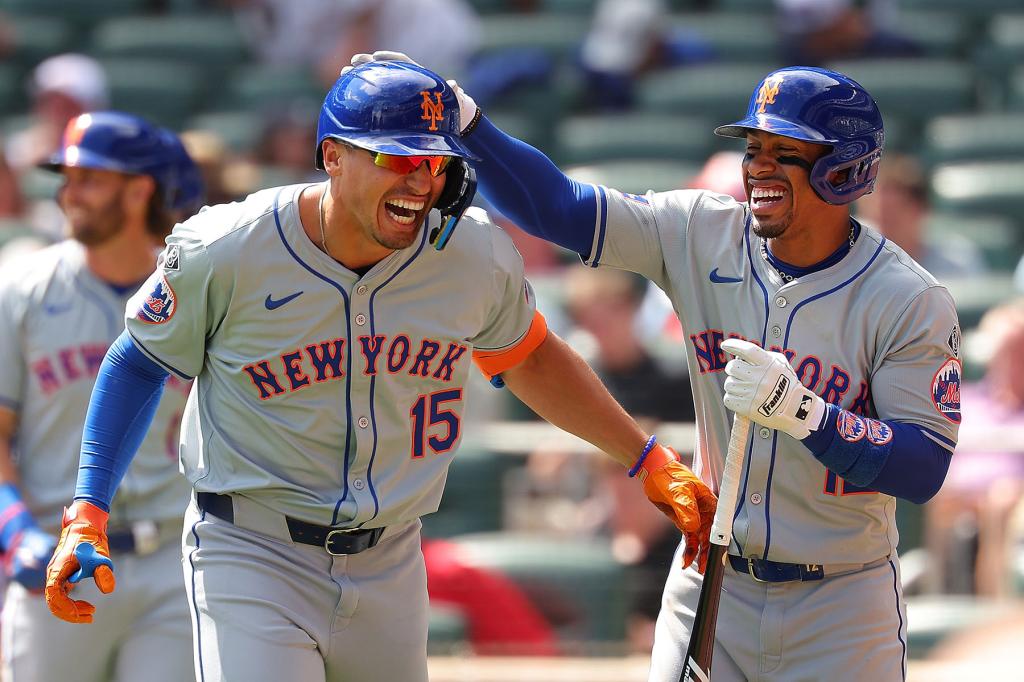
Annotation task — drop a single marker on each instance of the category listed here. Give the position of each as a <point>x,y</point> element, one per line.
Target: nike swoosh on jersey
<point>271,304</point>
<point>722,279</point>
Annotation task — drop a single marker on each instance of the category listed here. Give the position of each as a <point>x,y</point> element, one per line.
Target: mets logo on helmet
<point>769,89</point>
<point>433,111</point>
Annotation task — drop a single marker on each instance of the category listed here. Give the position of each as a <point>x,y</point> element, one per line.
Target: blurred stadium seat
<point>717,91</point>
<point>474,494</point>
<point>82,13</point>
<point>556,34</point>
<point>446,630</point>
<point>981,187</point>
<point>164,91</point>
<point>975,136</point>
<point>999,239</point>
<point>256,87</point>
<point>212,41</point>
<point>589,138</point>
<point>240,130</point>
<point>733,36</point>
<point>973,296</point>
<point>914,89</point>
<point>940,34</point>
<point>12,89</point>
<point>636,175</point>
<point>572,581</point>
<point>37,37</point>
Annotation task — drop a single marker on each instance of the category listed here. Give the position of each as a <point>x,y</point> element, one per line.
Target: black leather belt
<point>143,537</point>
<point>337,541</point>
<point>121,541</point>
<point>766,571</point>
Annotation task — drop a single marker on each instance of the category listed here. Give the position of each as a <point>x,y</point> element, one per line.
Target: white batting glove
<point>467,107</point>
<point>762,386</point>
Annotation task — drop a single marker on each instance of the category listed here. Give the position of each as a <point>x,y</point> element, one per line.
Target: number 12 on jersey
<point>427,412</point>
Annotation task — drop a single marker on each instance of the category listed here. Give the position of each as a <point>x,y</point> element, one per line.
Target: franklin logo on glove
<point>769,406</point>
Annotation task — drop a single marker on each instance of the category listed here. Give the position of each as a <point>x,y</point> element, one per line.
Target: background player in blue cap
<point>331,339</point>
<point>846,357</point>
<point>60,310</point>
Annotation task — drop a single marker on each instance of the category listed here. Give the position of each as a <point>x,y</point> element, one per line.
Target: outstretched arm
<point>558,385</point>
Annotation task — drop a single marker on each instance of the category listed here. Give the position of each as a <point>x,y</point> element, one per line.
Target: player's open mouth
<point>766,198</point>
<point>403,211</point>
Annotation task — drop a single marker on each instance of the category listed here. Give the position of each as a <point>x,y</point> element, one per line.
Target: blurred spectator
<point>967,521</point>
<point>899,209</point>
<point>722,173</point>
<point>817,31</point>
<point>500,618</point>
<point>62,87</point>
<point>211,155</point>
<point>324,34</point>
<point>11,201</point>
<point>284,143</point>
<point>603,303</point>
<point>628,40</point>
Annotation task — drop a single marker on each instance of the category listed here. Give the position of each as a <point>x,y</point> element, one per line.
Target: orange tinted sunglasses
<point>407,164</point>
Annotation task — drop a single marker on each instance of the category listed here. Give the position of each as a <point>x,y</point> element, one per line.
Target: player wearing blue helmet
<point>331,348</point>
<point>845,354</point>
<point>60,310</point>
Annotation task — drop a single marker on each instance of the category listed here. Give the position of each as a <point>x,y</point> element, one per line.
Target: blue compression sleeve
<point>124,400</point>
<point>908,465</point>
<point>527,187</point>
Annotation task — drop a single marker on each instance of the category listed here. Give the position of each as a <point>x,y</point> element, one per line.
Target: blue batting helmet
<point>116,141</point>
<point>392,107</point>
<point>188,193</point>
<point>825,107</point>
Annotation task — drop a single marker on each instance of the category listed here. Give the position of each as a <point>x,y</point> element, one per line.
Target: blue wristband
<point>635,469</point>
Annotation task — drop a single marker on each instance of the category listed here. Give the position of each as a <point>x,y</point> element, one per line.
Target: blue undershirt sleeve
<point>907,464</point>
<point>123,402</point>
<point>527,187</point>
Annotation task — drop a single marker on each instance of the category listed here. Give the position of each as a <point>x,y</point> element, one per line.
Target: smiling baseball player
<point>59,312</point>
<point>845,352</point>
<point>331,346</point>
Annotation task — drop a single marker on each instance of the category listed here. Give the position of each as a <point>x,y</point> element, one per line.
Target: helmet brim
<point>404,144</point>
<point>776,125</point>
<point>83,158</point>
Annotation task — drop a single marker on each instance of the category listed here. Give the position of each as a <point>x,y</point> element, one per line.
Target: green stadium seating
<point>556,34</point>
<point>975,295</point>
<point>981,187</point>
<point>164,91</point>
<point>38,37</point>
<point>239,130</point>
<point>258,87</point>
<point>1000,241</point>
<point>636,175</point>
<point>577,579</point>
<point>974,137</point>
<point>39,185</point>
<point>915,89</point>
<point>930,619</point>
<point>473,499</point>
<point>581,8</point>
<point>965,8</point>
<point>213,41</point>
<point>734,36</point>
<point>940,34</point>
<point>12,89</point>
<point>719,92</point>
<point>584,139</point>
<point>82,13</point>
<point>1015,95</point>
<point>447,630</point>
<point>998,54</point>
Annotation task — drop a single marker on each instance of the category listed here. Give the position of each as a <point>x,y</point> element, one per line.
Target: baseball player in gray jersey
<point>331,345</point>
<point>845,354</point>
<point>59,312</point>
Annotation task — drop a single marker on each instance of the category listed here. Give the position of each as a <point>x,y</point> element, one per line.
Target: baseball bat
<point>697,665</point>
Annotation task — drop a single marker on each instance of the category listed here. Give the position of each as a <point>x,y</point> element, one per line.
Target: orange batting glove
<point>682,497</point>
<point>83,551</point>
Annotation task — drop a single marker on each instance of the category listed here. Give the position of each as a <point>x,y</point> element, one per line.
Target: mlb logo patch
<point>159,305</point>
<point>169,258</point>
<point>946,390</point>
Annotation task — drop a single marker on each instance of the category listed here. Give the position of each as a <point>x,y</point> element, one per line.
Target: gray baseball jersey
<point>322,394</point>
<point>56,322</point>
<point>873,333</point>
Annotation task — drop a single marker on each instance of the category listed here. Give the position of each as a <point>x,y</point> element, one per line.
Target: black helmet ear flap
<point>457,195</point>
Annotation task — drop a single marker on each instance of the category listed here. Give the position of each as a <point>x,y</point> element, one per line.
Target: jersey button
<point>781,301</point>
<point>755,498</point>
<point>361,289</point>
<point>360,319</point>
<point>363,422</point>
<point>776,331</point>
<point>765,432</point>
<point>358,484</point>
